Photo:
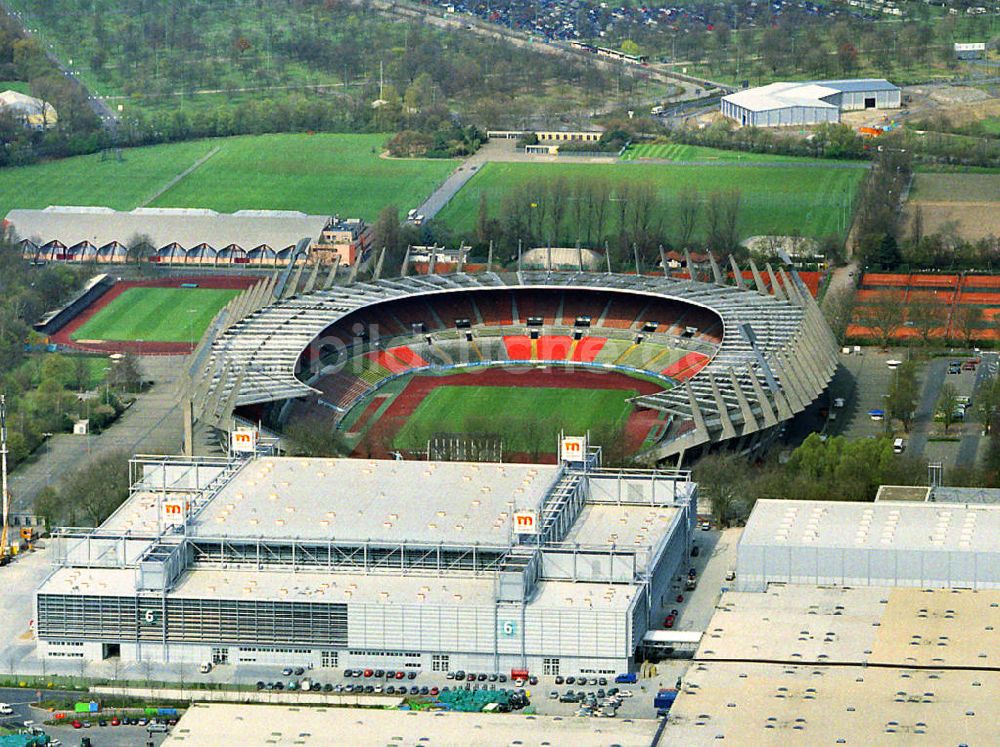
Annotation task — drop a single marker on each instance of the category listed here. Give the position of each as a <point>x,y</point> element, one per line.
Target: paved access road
<point>151,425</point>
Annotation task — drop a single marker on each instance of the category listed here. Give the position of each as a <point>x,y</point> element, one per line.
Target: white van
<point>6,710</point>
<point>898,446</point>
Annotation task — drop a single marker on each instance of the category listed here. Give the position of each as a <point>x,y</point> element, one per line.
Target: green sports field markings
<point>189,170</point>
<point>156,315</point>
<point>527,418</point>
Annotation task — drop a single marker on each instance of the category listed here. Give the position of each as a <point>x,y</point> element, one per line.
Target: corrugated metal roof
<point>858,84</point>
<point>803,93</point>
<point>185,226</point>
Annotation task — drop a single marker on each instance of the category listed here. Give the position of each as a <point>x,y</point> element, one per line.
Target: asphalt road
<point>108,118</point>
<point>151,425</point>
<point>934,376</point>
<point>969,446</point>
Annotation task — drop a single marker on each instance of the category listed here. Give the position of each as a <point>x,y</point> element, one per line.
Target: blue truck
<point>663,700</point>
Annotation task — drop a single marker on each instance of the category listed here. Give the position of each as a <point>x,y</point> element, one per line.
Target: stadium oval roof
<point>776,356</point>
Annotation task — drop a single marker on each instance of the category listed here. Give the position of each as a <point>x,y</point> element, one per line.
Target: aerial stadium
<point>455,560</point>
<point>696,366</point>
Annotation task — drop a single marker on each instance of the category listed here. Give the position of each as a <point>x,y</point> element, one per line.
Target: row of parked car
<point>461,675</point>
<point>602,681</point>
<point>389,674</point>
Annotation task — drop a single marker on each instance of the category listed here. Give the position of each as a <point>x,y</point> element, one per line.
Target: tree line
<point>630,217</point>
<point>833,469</point>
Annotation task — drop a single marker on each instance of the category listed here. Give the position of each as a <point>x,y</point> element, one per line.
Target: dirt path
<point>187,172</point>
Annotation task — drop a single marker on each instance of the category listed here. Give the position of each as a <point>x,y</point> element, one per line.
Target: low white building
<point>30,111</point>
<point>809,102</point>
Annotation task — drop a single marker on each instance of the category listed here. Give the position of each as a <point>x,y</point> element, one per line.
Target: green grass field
<point>318,174</point>
<point>775,200</point>
<point>526,418</point>
<point>682,152</point>
<point>156,315</point>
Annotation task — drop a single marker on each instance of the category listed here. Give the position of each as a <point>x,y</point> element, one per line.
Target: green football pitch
<point>319,174</point>
<point>526,419</point>
<point>156,315</point>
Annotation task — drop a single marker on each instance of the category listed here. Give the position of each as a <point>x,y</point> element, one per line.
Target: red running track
<point>63,336</point>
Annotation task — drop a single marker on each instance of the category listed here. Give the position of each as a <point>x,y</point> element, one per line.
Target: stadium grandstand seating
<point>581,304</point>
<point>372,372</point>
<point>544,307</point>
<point>587,349</point>
<point>453,306</point>
<point>340,389</point>
<point>499,333</point>
<point>519,347</point>
<point>687,366</point>
<point>622,312</point>
<point>496,307</point>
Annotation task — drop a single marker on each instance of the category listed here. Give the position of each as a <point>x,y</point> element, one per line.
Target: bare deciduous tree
<point>885,314</point>
<point>688,206</point>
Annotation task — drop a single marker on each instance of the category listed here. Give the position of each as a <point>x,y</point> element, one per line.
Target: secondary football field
<point>777,199</point>
<point>320,174</point>
<point>525,418</point>
<point>156,315</point>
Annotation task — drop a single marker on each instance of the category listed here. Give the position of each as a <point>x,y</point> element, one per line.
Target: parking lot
<point>20,701</point>
<point>546,694</point>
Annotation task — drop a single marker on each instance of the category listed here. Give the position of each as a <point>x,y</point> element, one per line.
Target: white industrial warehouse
<point>808,103</point>
<point>927,545</point>
<point>880,629</point>
<point>338,562</point>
